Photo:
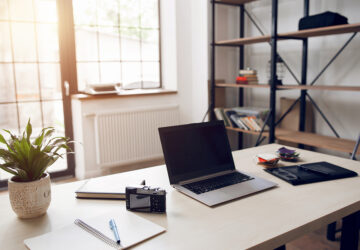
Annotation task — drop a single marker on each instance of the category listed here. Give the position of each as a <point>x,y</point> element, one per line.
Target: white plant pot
<point>30,199</point>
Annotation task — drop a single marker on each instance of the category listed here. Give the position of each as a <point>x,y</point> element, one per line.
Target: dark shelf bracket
<point>212,79</point>
<point>287,111</point>
<point>333,58</point>
<point>322,115</point>
<point>353,155</point>
<point>262,33</point>
<point>259,139</point>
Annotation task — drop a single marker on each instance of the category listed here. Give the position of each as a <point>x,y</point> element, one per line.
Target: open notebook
<point>132,230</point>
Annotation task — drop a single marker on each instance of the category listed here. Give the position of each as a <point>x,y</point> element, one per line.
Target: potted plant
<point>27,159</point>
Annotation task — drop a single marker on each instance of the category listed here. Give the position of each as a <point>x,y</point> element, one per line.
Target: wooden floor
<point>315,240</point>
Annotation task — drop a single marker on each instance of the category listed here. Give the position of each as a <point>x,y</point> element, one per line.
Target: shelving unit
<point>301,137</point>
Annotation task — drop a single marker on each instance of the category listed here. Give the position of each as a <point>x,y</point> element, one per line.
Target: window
<point>117,41</point>
<point>30,69</point>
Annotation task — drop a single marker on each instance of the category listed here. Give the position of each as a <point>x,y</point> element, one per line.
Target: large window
<point>30,69</point>
<point>117,41</point>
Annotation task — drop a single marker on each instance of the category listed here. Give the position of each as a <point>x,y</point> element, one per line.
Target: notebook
<point>102,188</point>
<point>132,230</point>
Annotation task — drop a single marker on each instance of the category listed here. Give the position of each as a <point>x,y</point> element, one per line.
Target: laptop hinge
<point>207,177</point>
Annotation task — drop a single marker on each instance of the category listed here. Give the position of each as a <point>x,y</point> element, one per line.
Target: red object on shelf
<point>241,79</point>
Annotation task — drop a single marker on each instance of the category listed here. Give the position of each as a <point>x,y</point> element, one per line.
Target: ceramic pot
<point>30,199</point>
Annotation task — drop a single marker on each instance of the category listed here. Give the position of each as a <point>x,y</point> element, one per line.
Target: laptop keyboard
<point>216,182</point>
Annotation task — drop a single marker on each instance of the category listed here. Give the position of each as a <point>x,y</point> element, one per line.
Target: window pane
<point>60,164</point>
<point>54,116</point>
<point>5,47</point>
<point>110,72</point>
<point>50,81</point>
<point>46,10</point>
<point>109,43</point>
<point>84,12</point>
<point>24,42</point>
<point>4,10</point>
<point>27,81</point>
<point>48,42</point>
<point>86,43</point>
<point>150,45</point>
<point>151,73</point>
<point>130,13</point>
<point>30,110</point>
<point>21,10</point>
<point>130,44</point>
<point>149,14</point>
<point>7,93</point>
<point>131,74</point>
<point>88,73</point>
<point>8,119</point>
<point>108,12</point>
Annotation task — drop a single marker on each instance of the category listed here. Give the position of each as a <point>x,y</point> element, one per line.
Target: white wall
<point>341,108</point>
<point>184,56</point>
<point>192,58</point>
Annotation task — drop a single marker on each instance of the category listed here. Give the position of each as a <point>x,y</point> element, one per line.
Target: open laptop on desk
<point>200,164</point>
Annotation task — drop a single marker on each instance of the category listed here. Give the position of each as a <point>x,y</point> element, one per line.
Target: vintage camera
<point>146,199</point>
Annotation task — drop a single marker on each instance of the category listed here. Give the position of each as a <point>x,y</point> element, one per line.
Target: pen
<point>114,229</point>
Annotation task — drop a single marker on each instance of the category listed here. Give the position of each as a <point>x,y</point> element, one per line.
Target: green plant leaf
<point>11,135</point>
<point>7,167</point>
<point>28,131</point>
<point>2,139</point>
<point>28,160</point>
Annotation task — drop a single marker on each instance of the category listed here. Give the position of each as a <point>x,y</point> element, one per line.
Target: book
<point>252,111</point>
<point>218,114</point>
<point>237,120</point>
<point>226,119</point>
<point>95,233</point>
<point>98,188</point>
<point>247,71</point>
<point>228,113</point>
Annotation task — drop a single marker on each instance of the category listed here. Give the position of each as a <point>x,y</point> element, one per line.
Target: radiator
<point>131,135</point>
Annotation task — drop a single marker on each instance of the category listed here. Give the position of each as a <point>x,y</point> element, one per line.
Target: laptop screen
<point>195,150</point>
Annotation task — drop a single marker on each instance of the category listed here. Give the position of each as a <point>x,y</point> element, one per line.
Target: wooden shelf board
<point>246,40</point>
<point>235,85</point>
<point>319,141</point>
<point>234,1</point>
<point>300,87</point>
<point>321,87</point>
<point>324,31</point>
<point>310,139</point>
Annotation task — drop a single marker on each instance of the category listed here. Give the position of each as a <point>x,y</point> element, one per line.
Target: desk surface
<point>262,221</point>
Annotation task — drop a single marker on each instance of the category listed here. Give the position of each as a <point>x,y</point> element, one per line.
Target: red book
<point>241,80</point>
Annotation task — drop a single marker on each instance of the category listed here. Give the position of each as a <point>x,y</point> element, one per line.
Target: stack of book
<point>246,118</point>
<point>247,76</point>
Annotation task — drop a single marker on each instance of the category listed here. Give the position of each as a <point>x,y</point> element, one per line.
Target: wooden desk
<point>263,221</point>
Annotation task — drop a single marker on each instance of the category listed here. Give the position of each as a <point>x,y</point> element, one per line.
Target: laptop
<point>199,163</point>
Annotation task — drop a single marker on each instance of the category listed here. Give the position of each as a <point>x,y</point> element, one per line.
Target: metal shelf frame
<point>274,82</point>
